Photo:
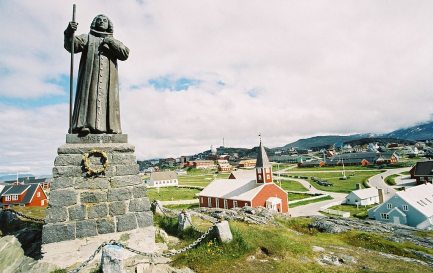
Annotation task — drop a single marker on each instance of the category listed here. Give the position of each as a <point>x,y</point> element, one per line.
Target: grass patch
<point>390,180</point>
<point>301,203</point>
<point>182,206</point>
<point>200,178</point>
<point>291,185</point>
<point>346,186</point>
<point>405,173</point>
<point>35,212</point>
<point>278,248</point>
<point>361,212</point>
<point>296,196</point>
<point>171,193</point>
<point>378,242</point>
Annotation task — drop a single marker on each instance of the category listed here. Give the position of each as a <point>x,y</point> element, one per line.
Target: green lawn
<point>277,167</point>
<point>200,177</point>
<point>171,193</point>
<point>354,177</point>
<point>296,196</point>
<point>291,185</point>
<point>360,212</point>
<point>301,203</point>
<point>181,207</point>
<point>35,212</point>
<point>390,180</point>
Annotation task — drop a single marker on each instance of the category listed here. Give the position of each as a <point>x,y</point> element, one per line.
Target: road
<point>378,181</point>
<point>314,208</point>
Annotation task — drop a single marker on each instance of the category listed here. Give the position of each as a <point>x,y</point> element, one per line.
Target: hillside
<point>323,141</point>
<point>418,132</point>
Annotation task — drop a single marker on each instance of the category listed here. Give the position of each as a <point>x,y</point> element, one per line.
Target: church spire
<point>263,166</point>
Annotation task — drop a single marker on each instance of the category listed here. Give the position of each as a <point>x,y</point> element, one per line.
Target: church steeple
<point>263,166</point>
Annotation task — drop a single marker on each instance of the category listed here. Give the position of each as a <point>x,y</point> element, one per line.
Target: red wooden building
<point>30,195</point>
<point>240,192</point>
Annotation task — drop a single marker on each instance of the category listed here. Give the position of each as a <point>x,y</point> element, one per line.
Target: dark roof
<point>262,158</point>
<point>15,189</point>
<point>424,168</point>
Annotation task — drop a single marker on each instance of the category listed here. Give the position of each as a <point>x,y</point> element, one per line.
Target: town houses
<point>259,191</point>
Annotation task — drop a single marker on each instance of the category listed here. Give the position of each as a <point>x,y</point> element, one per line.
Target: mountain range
<point>408,135</point>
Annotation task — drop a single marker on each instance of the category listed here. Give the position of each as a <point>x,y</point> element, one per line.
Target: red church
<point>244,191</point>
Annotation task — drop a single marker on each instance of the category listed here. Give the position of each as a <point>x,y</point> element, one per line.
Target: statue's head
<point>102,23</point>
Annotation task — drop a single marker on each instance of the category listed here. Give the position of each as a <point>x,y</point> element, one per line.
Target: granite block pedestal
<point>83,205</point>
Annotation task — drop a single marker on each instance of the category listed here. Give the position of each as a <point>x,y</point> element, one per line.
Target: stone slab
<point>67,253</point>
<point>82,148</point>
<point>97,138</point>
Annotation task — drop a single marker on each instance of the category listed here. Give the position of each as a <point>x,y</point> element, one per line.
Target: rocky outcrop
<point>258,215</point>
<point>13,260</point>
<point>396,233</point>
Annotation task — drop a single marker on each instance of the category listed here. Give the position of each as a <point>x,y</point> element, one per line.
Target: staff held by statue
<point>71,79</point>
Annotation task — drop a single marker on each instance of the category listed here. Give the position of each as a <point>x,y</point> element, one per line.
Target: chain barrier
<point>152,255</point>
<point>25,216</point>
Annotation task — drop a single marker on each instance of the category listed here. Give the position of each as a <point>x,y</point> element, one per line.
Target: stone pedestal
<point>83,205</point>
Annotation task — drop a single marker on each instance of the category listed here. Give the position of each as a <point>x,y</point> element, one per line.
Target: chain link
<point>25,216</point>
<point>153,255</point>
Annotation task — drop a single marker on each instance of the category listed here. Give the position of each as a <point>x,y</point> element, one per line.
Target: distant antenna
<point>260,136</point>
<point>223,142</point>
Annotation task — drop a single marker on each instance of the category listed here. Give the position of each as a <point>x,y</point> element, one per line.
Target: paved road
<point>378,181</point>
<point>313,208</point>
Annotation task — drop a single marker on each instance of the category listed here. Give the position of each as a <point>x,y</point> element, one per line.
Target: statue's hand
<point>108,40</point>
<point>72,26</point>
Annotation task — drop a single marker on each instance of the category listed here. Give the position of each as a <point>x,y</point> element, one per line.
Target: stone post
<point>184,220</point>
<point>223,232</point>
<point>112,259</point>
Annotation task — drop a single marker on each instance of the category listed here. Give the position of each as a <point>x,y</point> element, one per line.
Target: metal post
<point>71,79</point>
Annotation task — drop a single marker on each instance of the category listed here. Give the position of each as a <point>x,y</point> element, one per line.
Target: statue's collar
<point>100,33</point>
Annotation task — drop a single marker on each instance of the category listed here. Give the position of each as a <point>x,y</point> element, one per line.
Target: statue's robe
<point>96,104</point>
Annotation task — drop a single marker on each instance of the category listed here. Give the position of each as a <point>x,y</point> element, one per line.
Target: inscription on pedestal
<point>97,138</point>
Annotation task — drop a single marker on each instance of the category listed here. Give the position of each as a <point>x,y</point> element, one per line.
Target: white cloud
<point>314,66</point>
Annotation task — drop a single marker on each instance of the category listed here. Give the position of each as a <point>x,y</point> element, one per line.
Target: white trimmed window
<point>405,207</point>
<point>209,202</point>
<point>14,197</point>
<point>8,198</point>
<point>235,204</point>
<point>217,202</point>
<point>384,216</point>
<point>389,206</point>
<point>226,205</point>
<point>259,176</point>
<point>38,194</point>
<point>42,202</point>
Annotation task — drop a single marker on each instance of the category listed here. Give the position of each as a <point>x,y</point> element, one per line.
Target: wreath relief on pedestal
<point>90,168</point>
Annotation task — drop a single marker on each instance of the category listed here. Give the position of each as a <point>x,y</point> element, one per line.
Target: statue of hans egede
<point>96,107</point>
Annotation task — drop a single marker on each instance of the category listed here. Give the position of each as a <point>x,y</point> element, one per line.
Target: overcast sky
<point>201,70</point>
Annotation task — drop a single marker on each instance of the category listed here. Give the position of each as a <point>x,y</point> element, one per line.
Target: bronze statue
<point>96,107</point>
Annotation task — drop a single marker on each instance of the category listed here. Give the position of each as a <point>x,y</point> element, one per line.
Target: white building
<point>162,179</point>
<point>363,197</point>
